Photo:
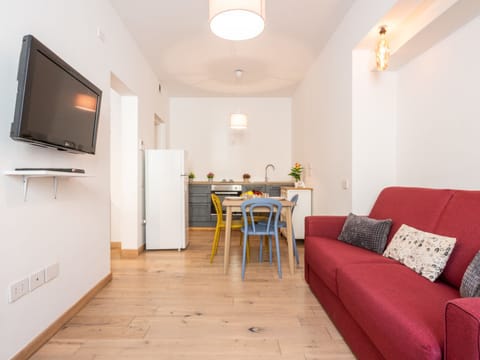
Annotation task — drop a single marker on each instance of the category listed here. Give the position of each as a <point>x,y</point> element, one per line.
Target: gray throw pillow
<point>364,232</point>
<point>470,286</point>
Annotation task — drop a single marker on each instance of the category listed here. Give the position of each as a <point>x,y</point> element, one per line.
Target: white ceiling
<point>175,37</point>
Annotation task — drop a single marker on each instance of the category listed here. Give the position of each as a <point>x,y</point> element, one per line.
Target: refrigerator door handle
<point>183,174</point>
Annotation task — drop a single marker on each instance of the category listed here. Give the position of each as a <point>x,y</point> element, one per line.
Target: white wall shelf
<point>28,174</point>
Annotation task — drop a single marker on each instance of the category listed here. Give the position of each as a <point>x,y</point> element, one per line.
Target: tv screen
<point>56,106</point>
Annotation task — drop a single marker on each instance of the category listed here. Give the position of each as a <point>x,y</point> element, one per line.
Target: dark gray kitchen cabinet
<point>199,206</point>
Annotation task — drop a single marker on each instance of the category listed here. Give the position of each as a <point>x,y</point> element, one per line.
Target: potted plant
<point>210,176</point>
<point>246,177</point>
<point>296,173</point>
<point>191,176</point>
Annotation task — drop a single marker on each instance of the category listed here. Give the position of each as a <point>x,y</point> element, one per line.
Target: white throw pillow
<point>423,252</point>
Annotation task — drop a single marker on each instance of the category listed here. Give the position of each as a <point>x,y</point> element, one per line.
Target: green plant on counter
<point>191,175</point>
<point>296,171</point>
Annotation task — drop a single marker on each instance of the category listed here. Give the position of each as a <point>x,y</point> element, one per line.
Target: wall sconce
<point>238,121</point>
<point>382,53</point>
<point>237,19</point>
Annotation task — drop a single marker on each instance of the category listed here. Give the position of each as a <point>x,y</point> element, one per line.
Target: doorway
<point>123,167</point>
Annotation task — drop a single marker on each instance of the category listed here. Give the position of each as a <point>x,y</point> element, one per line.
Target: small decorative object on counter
<point>296,173</point>
<point>191,176</point>
<point>210,176</point>
<point>246,177</point>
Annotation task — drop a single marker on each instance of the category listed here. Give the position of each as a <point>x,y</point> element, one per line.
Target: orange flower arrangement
<point>296,171</point>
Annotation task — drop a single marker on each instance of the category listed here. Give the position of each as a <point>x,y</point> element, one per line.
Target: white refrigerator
<point>166,200</point>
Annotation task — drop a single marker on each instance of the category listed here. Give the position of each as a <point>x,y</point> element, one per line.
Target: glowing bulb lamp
<point>238,121</point>
<point>382,53</point>
<point>237,19</point>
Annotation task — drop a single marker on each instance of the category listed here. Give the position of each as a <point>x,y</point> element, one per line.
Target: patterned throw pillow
<point>423,252</point>
<point>364,232</point>
<point>470,286</point>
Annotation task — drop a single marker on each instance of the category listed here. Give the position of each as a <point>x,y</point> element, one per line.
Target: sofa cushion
<point>423,252</point>
<point>461,220</point>
<point>366,233</point>
<point>417,207</point>
<point>406,307</point>
<point>470,286</point>
<point>325,256</point>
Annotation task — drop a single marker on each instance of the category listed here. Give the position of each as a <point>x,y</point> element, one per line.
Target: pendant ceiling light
<point>237,19</point>
<point>382,53</point>
<point>238,121</point>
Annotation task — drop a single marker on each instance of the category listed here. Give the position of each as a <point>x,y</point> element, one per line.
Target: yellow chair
<point>236,225</point>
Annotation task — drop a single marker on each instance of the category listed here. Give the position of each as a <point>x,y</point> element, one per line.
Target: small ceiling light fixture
<point>237,19</point>
<point>382,53</point>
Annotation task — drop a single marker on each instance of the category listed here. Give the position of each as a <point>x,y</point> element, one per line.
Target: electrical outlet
<point>37,279</point>
<point>17,290</point>
<point>51,272</point>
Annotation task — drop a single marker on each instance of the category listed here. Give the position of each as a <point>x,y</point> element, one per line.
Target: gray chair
<point>283,224</point>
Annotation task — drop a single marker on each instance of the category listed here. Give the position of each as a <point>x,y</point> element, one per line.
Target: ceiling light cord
<point>238,120</point>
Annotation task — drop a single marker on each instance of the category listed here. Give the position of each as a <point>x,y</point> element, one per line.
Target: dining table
<point>233,204</point>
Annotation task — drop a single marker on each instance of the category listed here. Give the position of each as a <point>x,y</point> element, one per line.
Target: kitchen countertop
<point>240,182</point>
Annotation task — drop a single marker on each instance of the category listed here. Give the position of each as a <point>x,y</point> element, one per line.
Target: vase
<point>210,180</point>
<point>299,184</point>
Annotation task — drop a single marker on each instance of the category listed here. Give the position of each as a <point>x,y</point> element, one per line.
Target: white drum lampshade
<point>238,121</point>
<point>237,19</point>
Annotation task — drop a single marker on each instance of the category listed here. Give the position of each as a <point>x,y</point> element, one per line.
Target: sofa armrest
<point>326,226</point>
<point>462,329</point>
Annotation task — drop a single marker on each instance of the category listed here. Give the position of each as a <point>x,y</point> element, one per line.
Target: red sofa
<point>383,309</point>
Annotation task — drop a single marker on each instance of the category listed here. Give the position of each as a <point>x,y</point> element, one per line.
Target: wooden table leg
<point>228,231</point>
<point>291,262</point>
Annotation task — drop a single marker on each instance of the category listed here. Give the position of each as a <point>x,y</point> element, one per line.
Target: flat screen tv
<point>56,106</point>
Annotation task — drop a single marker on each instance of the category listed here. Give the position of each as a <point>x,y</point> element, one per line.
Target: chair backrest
<point>218,209</point>
<point>271,206</point>
<point>294,200</point>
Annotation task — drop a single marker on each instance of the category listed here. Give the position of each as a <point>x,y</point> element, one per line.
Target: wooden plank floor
<point>176,305</point>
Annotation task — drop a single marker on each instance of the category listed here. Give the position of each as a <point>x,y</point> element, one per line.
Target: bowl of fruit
<point>252,193</point>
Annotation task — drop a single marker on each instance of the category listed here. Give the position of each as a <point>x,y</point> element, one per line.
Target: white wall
<point>373,130</point>
<point>322,110</point>
<point>439,114</point>
<point>74,229</point>
<point>201,126</point>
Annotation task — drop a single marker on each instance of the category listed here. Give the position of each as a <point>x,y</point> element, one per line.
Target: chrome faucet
<point>266,170</point>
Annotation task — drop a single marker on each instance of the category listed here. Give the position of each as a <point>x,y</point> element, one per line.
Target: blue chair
<point>283,224</point>
<point>272,209</point>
